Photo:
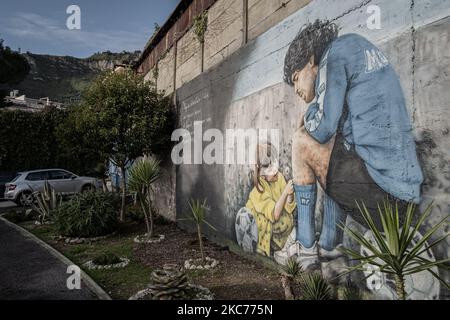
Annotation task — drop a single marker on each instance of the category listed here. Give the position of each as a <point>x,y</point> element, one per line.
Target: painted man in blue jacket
<point>355,138</point>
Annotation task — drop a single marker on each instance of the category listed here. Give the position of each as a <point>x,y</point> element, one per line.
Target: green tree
<point>78,142</point>
<point>127,117</point>
<point>28,140</point>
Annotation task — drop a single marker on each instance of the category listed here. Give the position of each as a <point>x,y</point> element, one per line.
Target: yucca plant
<point>394,251</point>
<point>290,273</point>
<point>352,293</point>
<point>198,215</point>
<point>44,202</point>
<point>314,287</point>
<point>142,175</point>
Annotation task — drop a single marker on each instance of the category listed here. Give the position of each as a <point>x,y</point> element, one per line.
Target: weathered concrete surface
<point>224,33</point>
<point>432,117</point>
<point>28,271</point>
<point>264,14</point>
<point>166,72</point>
<point>189,58</point>
<point>150,76</point>
<point>246,91</point>
<point>163,195</point>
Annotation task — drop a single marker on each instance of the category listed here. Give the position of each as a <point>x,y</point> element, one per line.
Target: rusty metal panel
<point>183,23</point>
<point>196,8</point>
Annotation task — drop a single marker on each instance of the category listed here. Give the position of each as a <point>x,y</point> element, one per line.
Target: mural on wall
<point>355,140</point>
<point>362,115</point>
<point>270,207</point>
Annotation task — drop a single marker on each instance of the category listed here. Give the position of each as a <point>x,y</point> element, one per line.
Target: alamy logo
<point>374,20</point>
<point>74,280</point>
<point>375,60</point>
<point>73,22</point>
<point>234,146</point>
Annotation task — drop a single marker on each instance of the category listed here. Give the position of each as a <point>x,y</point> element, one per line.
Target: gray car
<point>21,188</point>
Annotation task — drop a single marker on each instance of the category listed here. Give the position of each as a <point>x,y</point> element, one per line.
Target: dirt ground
<point>234,278</point>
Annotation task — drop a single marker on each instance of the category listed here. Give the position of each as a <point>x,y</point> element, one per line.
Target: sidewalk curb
<point>90,283</point>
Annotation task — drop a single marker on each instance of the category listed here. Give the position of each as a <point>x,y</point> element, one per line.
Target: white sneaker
<point>290,249</point>
<point>307,257</point>
<point>332,254</point>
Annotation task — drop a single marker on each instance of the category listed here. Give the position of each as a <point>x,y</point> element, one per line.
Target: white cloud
<point>27,26</point>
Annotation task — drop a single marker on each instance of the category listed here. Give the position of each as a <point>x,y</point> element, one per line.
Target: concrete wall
<point>224,33</point>
<point>246,90</point>
<point>163,197</point>
<point>189,58</point>
<point>264,14</point>
<point>166,72</point>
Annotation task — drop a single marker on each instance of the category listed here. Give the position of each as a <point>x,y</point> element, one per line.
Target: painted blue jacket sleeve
<point>324,113</point>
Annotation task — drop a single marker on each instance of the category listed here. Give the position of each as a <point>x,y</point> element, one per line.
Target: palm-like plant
<point>198,213</point>
<point>289,273</point>
<point>351,293</point>
<point>142,175</point>
<point>314,287</point>
<point>44,202</point>
<point>394,251</point>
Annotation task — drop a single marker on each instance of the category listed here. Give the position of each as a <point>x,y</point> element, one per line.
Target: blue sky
<point>39,26</point>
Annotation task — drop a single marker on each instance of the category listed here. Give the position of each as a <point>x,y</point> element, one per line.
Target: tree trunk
<point>124,192</point>
<point>200,241</point>
<point>105,186</point>
<point>400,286</point>
<point>150,213</point>
<point>144,210</point>
<point>286,284</point>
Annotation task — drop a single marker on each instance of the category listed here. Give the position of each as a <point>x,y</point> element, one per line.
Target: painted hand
<point>289,189</point>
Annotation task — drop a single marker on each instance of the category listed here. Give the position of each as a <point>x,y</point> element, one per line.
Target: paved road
<point>29,271</point>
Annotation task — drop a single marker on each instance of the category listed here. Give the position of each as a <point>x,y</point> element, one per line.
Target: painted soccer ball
<point>419,286</point>
<point>246,230</point>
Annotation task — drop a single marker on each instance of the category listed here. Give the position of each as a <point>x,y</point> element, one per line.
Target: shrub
<point>351,292</point>
<point>89,214</point>
<point>49,139</point>
<point>107,258</point>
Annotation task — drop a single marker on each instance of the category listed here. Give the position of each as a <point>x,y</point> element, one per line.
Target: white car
<point>21,188</point>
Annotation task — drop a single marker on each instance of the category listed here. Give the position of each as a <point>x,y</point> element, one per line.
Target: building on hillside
<point>20,102</point>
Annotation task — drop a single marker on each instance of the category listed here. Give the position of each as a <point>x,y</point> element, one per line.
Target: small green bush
<point>89,214</point>
<point>107,259</point>
<point>314,287</point>
<point>351,292</point>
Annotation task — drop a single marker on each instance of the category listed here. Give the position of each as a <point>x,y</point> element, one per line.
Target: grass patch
<point>118,283</point>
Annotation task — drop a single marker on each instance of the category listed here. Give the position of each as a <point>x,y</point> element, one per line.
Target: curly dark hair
<point>312,39</point>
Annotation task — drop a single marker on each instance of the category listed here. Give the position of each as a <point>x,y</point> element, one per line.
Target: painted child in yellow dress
<point>272,204</point>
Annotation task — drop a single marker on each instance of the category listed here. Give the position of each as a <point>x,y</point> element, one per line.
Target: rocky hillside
<point>64,78</point>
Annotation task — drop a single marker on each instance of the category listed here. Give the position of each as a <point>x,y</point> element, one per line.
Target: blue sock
<point>305,197</point>
<point>333,217</point>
